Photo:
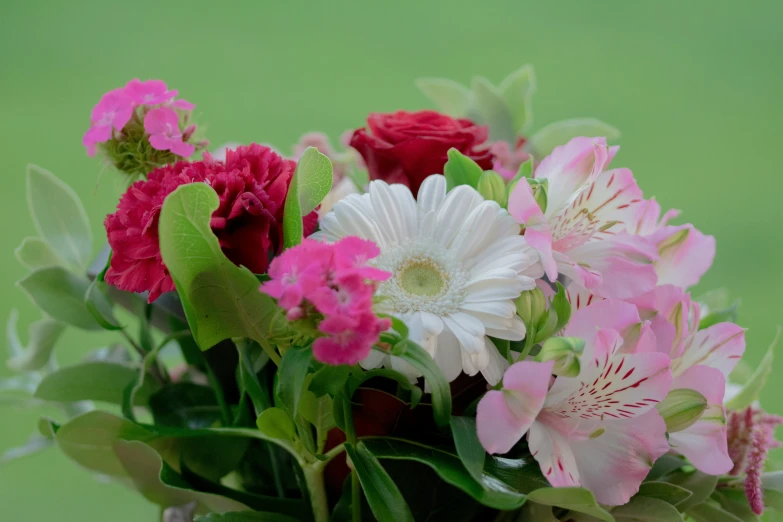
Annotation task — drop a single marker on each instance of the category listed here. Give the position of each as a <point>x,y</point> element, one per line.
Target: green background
<point>695,87</point>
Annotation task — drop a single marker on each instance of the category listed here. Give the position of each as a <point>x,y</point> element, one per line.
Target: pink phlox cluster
<point>335,281</point>
<point>116,108</point>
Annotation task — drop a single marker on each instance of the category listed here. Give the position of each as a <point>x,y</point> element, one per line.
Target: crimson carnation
<point>406,147</point>
<point>251,183</point>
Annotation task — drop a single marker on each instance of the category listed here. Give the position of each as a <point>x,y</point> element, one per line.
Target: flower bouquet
<point>450,318</point>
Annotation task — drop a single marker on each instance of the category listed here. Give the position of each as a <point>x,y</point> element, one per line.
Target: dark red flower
<point>251,183</point>
<point>406,147</point>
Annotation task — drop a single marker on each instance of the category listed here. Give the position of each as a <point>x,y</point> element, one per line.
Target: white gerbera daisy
<point>458,263</point>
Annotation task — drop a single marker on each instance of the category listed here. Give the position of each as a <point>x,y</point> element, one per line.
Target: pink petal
<point>162,120</point>
<point>568,167</point>
<point>95,135</point>
<point>611,384</point>
<point>684,263</point>
<point>704,443</point>
<point>554,455</point>
<point>162,142</point>
<point>614,463</point>
<point>605,205</point>
<point>183,149</point>
<point>503,417</point>
<point>720,346</point>
<point>609,313</point>
<point>525,210</point>
<point>629,260</point>
<point>669,309</point>
<point>183,105</point>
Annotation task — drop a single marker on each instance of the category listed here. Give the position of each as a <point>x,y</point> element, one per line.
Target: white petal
<point>493,371</point>
<point>432,192</point>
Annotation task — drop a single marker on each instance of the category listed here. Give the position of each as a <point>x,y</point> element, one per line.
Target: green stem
<point>270,351</point>
<point>314,478</point>
<point>356,498</point>
<point>529,342</point>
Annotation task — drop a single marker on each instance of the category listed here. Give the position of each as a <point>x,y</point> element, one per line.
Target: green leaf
<point>59,217</point>
<point>710,513</point>
<point>35,253</point>
<point>517,90</point>
<point>145,468</point>
<point>221,300</point>
<point>750,392</point>
<point>562,307</point>
<point>246,516</point>
<point>291,376</point>
<point>248,375</point>
<point>403,382</point>
<point>60,294</point>
<point>329,379</point>
<point>320,413</point>
<point>536,513</point>
<point>575,499</point>
<point>448,96</point>
<point>440,390</point>
<point>645,509</point>
<point>698,483</point>
<point>559,133</point>
<point>461,170</point>
<point>93,381</point>
<point>88,439</point>
<point>492,187</point>
<point>735,501</point>
<point>310,184</point>
<point>670,493</point>
<point>492,110</point>
<point>275,423</point>
<point>382,494</point>
<point>99,306</point>
<point>185,405</point>
<point>41,339</point>
<point>490,490</point>
<point>469,449</point>
<point>665,465</point>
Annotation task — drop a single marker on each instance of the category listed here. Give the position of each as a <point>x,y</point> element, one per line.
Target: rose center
<point>422,277</point>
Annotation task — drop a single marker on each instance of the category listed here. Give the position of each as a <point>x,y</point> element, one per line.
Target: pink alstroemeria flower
<point>600,429</point>
<point>582,233</point>
<point>162,124</point>
<point>685,254</point>
<point>701,361</point>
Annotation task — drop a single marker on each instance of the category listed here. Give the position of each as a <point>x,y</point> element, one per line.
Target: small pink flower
<point>149,92</point>
<point>351,256</point>
<point>162,124</point>
<point>298,273</point>
<point>336,281</point>
<point>112,112</point>
<point>183,105</point>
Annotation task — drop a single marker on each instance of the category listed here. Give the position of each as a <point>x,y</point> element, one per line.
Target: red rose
<point>252,185</point>
<point>406,147</point>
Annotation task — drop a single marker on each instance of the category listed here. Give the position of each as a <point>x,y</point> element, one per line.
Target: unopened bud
<point>565,351</point>
<point>493,188</point>
<point>681,408</point>
<point>540,189</point>
<point>531,306</point>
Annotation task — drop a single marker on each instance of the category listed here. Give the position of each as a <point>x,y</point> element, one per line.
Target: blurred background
<point>695,88</point>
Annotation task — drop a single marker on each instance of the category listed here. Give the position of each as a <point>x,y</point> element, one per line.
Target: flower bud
<point>540,189</point>
<point>681,408</point>
<point>531,306</point>
<point>565,351</point>
<point>493,188</point>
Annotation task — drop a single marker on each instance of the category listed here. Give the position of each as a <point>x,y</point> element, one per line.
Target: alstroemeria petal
<point>704,442</point>
<point>613,463</point>
<point>503,417</point>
